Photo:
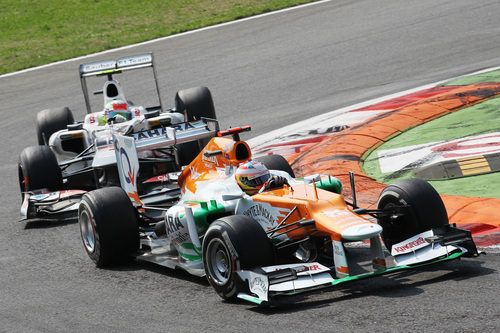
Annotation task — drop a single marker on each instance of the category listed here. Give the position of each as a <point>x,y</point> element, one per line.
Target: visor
<point>125,114</point>
<point>255,182</point>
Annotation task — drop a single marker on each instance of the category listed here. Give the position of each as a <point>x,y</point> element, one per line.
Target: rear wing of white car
<point>156,139</point>
<point>176,134</point>
<point>110,67</point>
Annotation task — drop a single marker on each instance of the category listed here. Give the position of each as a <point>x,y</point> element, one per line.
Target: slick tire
<point>108,226</point>
<point>195,103</point>
<point>426,210</point>
<point>233,243</point>
<point>276,162</point>
<point>38,169</point>
<point>50,121</point>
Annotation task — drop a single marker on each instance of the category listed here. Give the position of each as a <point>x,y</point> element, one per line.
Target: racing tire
<point>233,243</point>
<point>108,226</point>
<point>50,121</point>
<point>38,169</point>
<point>196,103</point>
<point>426,210</point>
<point>276,162</point>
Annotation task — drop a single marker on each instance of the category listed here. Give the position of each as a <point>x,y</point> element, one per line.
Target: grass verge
<point>39,32</point>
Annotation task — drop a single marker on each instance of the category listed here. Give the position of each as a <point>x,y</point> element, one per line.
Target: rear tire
<point>196,103</point>
<point>233,243</point>
<point>108,226</point>
<point>426,210</point>
<point>276,162</point>
<point>38,169</point>
<point>50,121</point>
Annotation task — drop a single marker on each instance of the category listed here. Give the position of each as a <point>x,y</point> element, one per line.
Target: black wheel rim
<point>218,262</point>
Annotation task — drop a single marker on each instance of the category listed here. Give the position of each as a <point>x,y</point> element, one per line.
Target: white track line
<point>168,37</point>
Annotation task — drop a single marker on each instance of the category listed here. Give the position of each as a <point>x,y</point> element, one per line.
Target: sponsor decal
<point>258,285</point>
<point>181,238</point>
<point>336,213</point>
<point>40,196</point>
<point>412,244</point>
<point>130,173</point>
<point>162,131</point>
<point>264,213</point>
<point>158,179</point>
<point>342,217</point>
<point>151,133</point>
<point>98,66</point>
<point>409,246</point>
<point>260,213</point>
<point>173,224</point>
<point>70,193</point>
<point>340,259</point>
<point>128,164</point>
<point>337,248</point>
<point>135,60</point>
<point>301,269</point>
<point>120,106</point>
<point>309,268</point>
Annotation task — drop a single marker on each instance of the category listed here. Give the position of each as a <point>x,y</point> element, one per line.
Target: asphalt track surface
<point>266,72</point>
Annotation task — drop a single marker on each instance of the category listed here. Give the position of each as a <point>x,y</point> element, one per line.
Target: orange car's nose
<point>342,223</point>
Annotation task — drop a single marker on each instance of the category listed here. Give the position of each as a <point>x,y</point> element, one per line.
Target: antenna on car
<point>353,190</point>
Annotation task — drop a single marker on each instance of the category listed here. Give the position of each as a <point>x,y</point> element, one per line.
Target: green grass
<point>34,33</point>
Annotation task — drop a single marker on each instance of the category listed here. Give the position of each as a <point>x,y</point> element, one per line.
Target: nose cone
<point>361,231</point>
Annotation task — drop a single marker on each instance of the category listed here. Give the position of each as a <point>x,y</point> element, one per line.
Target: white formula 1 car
<point>72,158</point>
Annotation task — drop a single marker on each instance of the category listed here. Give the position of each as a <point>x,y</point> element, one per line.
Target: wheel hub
<point>219,263</point>
<point>88,232</point>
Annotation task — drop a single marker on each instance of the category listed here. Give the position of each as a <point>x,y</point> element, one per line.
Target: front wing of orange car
<point>430,247</point>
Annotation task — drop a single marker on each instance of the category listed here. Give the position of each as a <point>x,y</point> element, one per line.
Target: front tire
<point>108,226</point>
<point>233,243</point>
<point>426,210</point>
<point>38,169</point>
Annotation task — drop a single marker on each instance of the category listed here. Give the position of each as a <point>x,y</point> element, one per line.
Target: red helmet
<point>251,176</point>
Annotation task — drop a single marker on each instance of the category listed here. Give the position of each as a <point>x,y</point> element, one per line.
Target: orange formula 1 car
<point>294,236</point>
